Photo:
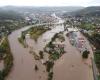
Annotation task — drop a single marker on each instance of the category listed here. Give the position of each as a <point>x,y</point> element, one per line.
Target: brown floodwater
<point>24,63</point>
<point>69,67</point>
<point>43,39</point>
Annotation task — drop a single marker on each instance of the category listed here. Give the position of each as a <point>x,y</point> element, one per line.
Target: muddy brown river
<point>23,68</point>
<point>69,67</point>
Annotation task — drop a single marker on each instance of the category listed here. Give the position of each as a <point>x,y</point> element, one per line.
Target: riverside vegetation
<point>55,51</point>
<point>6,56</point>
<point>34,32</point>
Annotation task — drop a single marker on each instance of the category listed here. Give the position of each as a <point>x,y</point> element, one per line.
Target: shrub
<point>21,40</point>
<point>85,54</point>
<point>49,65</point>
<point>41,54</point>
<point>55,55</point>
<point>97,58</point>
<point>36,68</point>
<point>50,75</point>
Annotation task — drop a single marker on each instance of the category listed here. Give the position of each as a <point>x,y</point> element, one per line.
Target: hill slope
<point>10,15</point>
<point>89,11</point>
<point>93,11</point>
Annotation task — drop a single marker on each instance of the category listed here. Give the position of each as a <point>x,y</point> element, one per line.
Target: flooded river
<point>68,67</point>
<point>43,39</point>
<point>24,63</point>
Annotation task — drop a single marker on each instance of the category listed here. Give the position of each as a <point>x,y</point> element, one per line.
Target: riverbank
<point>6,57</point>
